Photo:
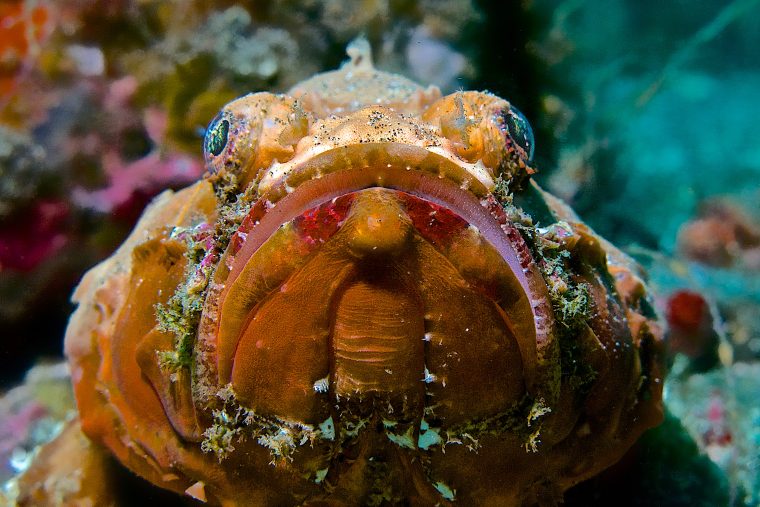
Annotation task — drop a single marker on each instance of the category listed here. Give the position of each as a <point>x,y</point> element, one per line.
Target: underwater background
<point>646,122</point>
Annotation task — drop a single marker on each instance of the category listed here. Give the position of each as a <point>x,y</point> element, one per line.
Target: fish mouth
<point>406,189</point>
<point>414,170</point>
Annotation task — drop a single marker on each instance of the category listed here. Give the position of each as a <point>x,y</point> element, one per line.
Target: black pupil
<point>216,139</point>
<point>520,131</point>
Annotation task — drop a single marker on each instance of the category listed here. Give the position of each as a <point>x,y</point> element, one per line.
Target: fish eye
<point>216,136</point>
<point>520,132</point>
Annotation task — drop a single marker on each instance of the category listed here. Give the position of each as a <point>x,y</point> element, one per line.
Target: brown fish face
<point>385,321</point>
<point>351,309</point>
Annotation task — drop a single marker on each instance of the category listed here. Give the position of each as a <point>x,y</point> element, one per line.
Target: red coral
<point>690,323</point>
<point>28,240</point>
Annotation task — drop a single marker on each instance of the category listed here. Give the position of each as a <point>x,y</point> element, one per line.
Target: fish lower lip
<point>484,214</point>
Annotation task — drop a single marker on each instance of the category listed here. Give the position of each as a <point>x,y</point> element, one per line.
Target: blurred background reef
<point>646,119</point>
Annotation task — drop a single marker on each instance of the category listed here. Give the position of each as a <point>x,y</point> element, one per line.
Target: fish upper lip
<point>289,189</point>
<point>318,161</point>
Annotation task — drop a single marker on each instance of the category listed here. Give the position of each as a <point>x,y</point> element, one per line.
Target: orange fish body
<point>365,302</point>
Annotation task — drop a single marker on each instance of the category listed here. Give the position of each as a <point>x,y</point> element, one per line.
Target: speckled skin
<point>498,365</point>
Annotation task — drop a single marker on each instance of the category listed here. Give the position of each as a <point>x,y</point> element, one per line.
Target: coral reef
<point>32,414</point>
<point>720,411</point>
<point>22,170</point>
<point>722,236</point>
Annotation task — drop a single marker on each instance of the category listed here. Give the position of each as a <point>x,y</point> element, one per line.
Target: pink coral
<point>150,174</point>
